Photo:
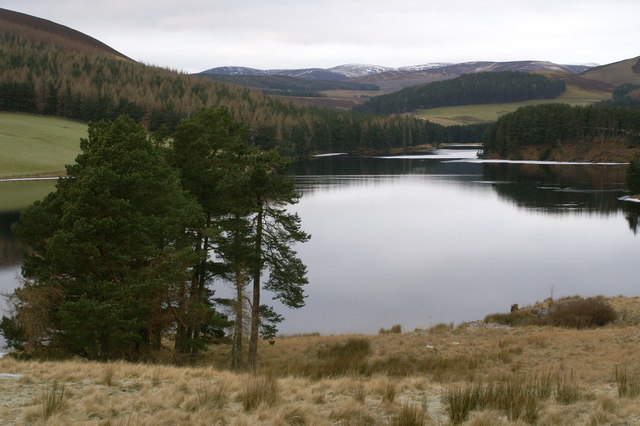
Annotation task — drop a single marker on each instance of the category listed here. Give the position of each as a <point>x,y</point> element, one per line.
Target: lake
<point>421,240</point>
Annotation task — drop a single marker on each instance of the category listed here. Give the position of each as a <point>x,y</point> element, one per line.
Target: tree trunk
<point>255,305</point>
<point>237,351</point>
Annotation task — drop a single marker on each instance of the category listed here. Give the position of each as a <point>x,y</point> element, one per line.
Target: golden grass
<point>400,379</point>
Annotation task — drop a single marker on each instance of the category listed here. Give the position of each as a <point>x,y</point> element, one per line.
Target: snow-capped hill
<point>424,67</point>
<point>359,70</point>
<point>235,71</point>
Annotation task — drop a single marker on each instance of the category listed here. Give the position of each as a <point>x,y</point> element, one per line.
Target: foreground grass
<point>443,375</point>
<point>474,114</point>
<point>36,144</point>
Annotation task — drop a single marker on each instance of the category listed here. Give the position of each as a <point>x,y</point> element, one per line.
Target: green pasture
<point>31,144</point>
<point>474,114</point>
<point>18,195</point>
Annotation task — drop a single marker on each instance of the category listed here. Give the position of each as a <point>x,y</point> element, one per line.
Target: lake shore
<point>402,375</point>
<point>605,151</point>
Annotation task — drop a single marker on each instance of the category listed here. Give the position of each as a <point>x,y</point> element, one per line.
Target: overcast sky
<point>194,35</point>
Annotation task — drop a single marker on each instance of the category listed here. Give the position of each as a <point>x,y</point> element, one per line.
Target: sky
<point>195,35</point>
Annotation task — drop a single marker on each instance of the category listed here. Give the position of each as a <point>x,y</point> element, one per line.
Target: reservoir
<point>437,238</point>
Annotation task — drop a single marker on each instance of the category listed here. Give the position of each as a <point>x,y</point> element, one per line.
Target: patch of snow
<point>437,154</point>
<point>565,163</point>
<point>359,70</point>
<point>425,67</point>
<point>28,179</point>
<point>10,376</point>
<point>630,199</point>
<point>332,154</point>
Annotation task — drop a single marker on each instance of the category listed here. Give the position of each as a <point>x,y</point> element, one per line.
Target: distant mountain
<point>339,73</point>
<point>396,80</point>
<point>617,73</point>
<point>50,32</point>
<point>392,79</point>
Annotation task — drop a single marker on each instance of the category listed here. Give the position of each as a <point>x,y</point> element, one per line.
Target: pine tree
<point>109,249</point>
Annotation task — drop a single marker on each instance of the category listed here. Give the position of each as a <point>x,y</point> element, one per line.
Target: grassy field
<point>473,114</point>
<point>18,195</point>
<point>443,375</point>
<point>34,145</point>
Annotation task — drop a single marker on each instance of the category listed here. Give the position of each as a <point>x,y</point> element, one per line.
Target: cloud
<point>198,34</point>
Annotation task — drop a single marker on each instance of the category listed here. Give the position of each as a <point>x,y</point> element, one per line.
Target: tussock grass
<point>415,369</point>
<point>628,383</point>
<point>259,390</point>
<point>54,400</point>
<point>518,397</point>
<point>410,415</point>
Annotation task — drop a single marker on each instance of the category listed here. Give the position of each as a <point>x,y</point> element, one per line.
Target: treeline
<point>624,95</point>
<point>550,124</point>
<point>289,86</point>
<point>478,88</point>
<point>51,79</point>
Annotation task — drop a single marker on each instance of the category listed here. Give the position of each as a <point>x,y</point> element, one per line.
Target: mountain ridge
<point>396,78</point>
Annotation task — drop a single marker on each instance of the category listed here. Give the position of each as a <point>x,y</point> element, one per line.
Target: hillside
<point>560,132</point>
<point>617,73</point>
<point>579,92</point>
<point>51,32</point>
<point>396,80</point>
<point>289,86</point>
<point>477,88</point>
<point>69,80</point>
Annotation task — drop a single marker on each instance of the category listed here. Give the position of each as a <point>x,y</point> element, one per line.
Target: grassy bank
<point>469,375</point>
<point>34,145</point>
<point>18,195</point>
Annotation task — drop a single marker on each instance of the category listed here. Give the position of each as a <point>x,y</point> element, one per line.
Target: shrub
<point>396,329</point>
<point>519,317</point>
<point>584,313</point>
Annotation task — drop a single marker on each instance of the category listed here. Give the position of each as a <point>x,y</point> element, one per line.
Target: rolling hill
<point>51,32</point>
<point>617,73</point>
<point>468,89</point>
<point>396,80</point>
<point>42,71</point>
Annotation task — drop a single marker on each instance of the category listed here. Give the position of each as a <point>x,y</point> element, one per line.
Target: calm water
<point>423,240</point>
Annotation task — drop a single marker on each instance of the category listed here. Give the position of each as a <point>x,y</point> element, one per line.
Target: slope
<point>617,73</point>
<point>51,32</point>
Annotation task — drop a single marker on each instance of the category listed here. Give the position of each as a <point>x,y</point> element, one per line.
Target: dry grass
<point>563,376</point>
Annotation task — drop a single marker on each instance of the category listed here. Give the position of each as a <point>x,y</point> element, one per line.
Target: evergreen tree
<point>633,176</point>
<point>110,248</point>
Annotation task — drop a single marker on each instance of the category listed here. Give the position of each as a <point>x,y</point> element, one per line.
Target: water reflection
<point>422,241</point>
<point>10,250</point>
